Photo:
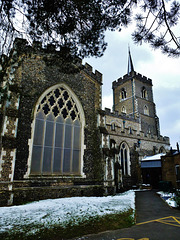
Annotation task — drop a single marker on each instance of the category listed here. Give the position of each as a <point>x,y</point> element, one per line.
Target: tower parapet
<point>127,77</point>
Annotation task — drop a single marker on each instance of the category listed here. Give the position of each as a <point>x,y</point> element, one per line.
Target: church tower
<point>133,96</point>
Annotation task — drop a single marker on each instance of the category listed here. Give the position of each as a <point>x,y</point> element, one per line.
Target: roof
<point>154,157</point>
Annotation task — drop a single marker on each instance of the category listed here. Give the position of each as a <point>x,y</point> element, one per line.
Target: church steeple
<point>130,64</point>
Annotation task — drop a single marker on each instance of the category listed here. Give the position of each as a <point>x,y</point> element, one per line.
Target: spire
<point>130,64</point>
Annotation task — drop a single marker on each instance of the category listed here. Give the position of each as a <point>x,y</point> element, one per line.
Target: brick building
<point>171,168</point>
<point>56,141</point>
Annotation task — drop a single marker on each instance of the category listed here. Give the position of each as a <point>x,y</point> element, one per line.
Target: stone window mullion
<point>63,142</point>
<point>72,148</point>
<point>53,147</point>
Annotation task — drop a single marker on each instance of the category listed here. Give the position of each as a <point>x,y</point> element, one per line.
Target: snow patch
<point>62,211</point>
<point>169,198</point>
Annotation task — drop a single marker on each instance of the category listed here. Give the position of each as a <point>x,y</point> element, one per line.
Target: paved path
<point>155,220</point>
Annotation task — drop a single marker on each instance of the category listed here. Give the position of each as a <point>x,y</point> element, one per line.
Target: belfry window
<point>124,159</point>
<point>57,135</point>
<point>144,93</point>
<point>123,94</point>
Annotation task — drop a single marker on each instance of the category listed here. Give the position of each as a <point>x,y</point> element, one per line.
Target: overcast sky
<point>164,72</point>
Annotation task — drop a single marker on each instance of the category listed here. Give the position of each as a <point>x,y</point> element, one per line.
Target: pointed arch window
<point>124,159</point>
<point>123,94</point>
<point>123,109</point>
<point>57,140</point>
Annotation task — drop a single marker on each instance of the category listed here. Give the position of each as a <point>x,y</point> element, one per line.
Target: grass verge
<point>57,232</point>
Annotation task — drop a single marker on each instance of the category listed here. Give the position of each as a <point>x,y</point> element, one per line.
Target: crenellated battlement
<point>89,70</point>
<point>22,46</point>
<point>133,133</point>
<point>121,115</point>
<point>127,77</point>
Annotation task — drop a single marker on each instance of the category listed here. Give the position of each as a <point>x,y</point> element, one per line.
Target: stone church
<point>56,141</point>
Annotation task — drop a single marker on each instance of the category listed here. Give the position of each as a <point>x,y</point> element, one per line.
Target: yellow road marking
<point>169,223</point>
<point>125,239</point>
<point>174,221</point>
<point>132,239</point>
<point>152,221</point>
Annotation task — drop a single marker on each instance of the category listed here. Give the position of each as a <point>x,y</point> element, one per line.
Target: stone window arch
<point>124,159</point>
<point>144,93</point>
<point>58,134</point>
<point>146,110</point>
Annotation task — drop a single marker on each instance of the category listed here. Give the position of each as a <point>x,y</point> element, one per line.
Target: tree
<point>80,25</point>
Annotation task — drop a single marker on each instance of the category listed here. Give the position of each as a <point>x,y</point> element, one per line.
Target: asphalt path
<point>155,220</point>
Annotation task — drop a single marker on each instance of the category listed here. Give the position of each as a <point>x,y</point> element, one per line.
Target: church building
<point>56,141</point>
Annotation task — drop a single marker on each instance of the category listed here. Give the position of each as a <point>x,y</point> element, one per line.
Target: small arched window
<point>144,93</point>
<point>113,126</point>
<point>57,138</point>
<point>146,110</point>
<point>124,159</point>
<point>123,109</point>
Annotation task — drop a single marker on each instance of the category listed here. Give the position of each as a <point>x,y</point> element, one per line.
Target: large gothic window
<point>124,159</point>
<point>57,135</point>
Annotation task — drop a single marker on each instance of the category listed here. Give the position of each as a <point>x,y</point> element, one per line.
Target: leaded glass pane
<point>50,117</point>
<point>68,121</point>
<point>77,123</point>
<point>75,163</point>
<point>76,144</point>
<point>36,159</point>
<point>49,134</point>
<point>47,158</point>
<point>68,136</point>
<point>125,156</point>
<point>59,135</point>
<point>40,115</point>
<point>39,132</point>
<point>122,161</point>
<point>59,119</point>
<point>66,160</point>
<point>57,160</point>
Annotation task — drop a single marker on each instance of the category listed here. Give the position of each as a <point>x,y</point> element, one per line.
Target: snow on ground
<point>62,211</point>
<point>169,198</point>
